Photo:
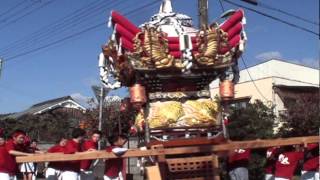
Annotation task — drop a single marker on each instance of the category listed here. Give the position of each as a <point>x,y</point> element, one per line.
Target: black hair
<point>287,148</point>
<point>123,136</point>
<point>2,134</point>
<point>115,137</point>
<point>97,132</point>
<point>34,140</point>
<point>78,132</point>
<point>58,140</point>
<point>112,139</point>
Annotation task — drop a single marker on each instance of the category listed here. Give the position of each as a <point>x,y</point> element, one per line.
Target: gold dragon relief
<point>153,51</point>
<point>209,43</point>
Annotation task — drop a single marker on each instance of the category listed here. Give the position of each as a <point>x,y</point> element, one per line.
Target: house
<point>274,82</point>
<point>65,104</point>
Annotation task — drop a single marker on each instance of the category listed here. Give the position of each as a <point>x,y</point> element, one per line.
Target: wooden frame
<point>153,172</point>
<point>199,167</point>
<point>253,144</point>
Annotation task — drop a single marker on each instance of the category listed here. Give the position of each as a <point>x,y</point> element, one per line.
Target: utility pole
<point>100,93</point>
<point>203,13</point>
<point>101,100</point>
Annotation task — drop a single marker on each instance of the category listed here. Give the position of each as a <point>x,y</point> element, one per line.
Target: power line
<point>75,34</point>
<point>12,8</point>
<point>287,13</point>
<point>274,18</point>
<point>254,83</point>
<point>50,32</point>
<point>26,14</point>
<point>6,19</point>
<point>134,11</point>
<point>48,29</point>
<point>28,48</point>
<point>54,42</point>
<point>246,67</point>
<point>55,28</point>
<point>93,27</point>
<point>221,5</point>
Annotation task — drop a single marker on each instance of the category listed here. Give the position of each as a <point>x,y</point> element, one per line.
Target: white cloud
<point>269,55</point>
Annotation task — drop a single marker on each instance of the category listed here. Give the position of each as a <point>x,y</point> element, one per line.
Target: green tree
<point>44,127</point>
<point>302,117</point>
<point>253,122</point>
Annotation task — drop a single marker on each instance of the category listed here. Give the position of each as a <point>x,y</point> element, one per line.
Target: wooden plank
<point>199,141</point>
<point>215,164</point>
<point>86,155</point>
<point>153,172</point>
<point>259,143</point>
<point>253,144</point>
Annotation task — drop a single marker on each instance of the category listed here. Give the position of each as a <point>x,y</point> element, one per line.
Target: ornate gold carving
<point>210,41</point>
<point>154,50</point>
<point>208,47</point>
<point>123,70</point>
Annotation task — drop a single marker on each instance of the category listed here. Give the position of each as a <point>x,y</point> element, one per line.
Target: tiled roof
<point>45,106</point>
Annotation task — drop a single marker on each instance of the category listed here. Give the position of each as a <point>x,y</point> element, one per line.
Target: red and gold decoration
<point>226,90</point>
<point>167,64</point>
<point>190,113</point>
<point>137,95</point>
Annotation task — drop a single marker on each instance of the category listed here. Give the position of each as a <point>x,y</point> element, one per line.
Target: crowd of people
<point>19,144</point>
<point>281,163</point>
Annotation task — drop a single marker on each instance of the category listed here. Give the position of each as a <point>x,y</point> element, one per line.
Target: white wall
<point>284,73</point>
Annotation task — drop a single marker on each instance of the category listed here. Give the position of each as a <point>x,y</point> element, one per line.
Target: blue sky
<point>70,67</point>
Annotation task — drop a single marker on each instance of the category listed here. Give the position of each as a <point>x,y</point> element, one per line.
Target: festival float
<point>167,64</point>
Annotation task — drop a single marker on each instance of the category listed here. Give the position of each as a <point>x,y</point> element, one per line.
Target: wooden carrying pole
<point>253,144</point>
<point>215,164</point>
<point>153,172</point>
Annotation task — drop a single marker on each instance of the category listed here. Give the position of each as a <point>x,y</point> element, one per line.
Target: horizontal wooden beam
<point>198,141</point>
<point>253,144</point>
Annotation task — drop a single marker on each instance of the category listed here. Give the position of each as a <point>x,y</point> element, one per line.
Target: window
<point>240,103</point>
